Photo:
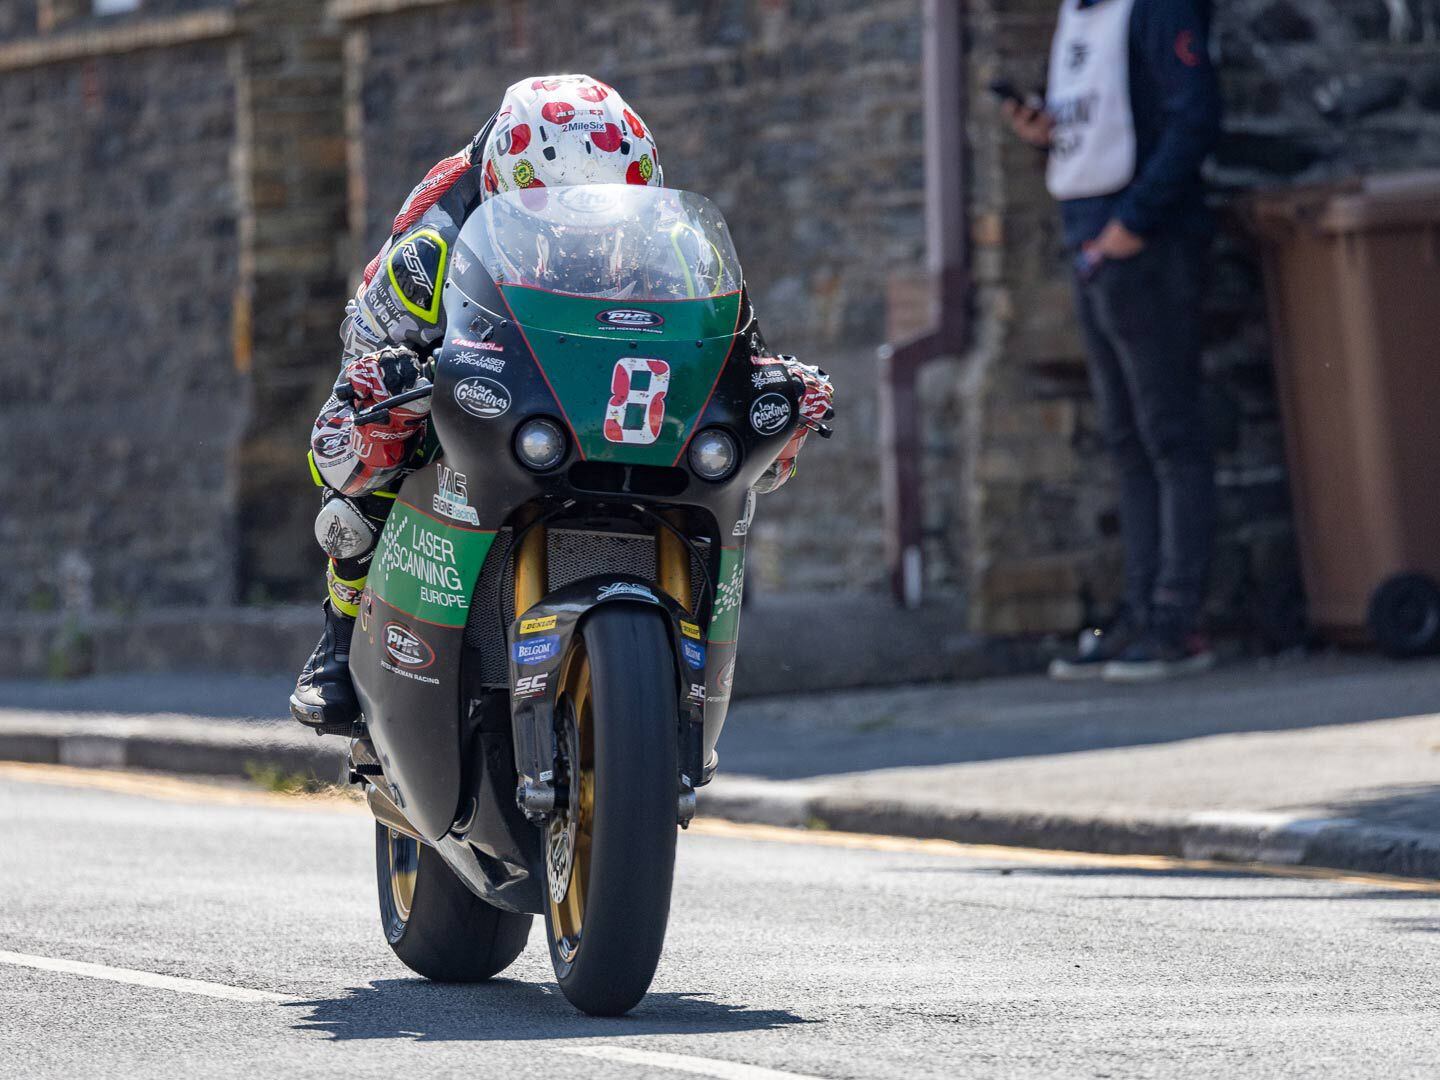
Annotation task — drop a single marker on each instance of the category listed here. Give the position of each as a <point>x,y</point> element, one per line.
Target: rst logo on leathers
<point>630,319</point>
<point>407,648</point>
<point>769,414</point>
<point>483,398</point>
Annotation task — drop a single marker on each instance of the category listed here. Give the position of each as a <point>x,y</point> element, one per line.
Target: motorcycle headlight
<point>713,454</point>
<point>540,444</point>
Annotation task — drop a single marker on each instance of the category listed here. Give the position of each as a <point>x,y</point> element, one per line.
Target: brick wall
<point>800,119</point>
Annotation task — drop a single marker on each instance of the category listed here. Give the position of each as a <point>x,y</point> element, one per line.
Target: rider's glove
<point>817,398</point>
<point>381,375</point>
<point>817,395</point>
<point>373,380</point>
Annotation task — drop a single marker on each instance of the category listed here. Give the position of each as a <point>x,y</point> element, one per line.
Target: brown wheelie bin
<point>1353,284</point>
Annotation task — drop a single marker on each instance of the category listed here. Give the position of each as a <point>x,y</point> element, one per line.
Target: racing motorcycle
<point>545,648</point>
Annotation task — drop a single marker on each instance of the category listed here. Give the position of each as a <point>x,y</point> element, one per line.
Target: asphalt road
<point>810,955</point>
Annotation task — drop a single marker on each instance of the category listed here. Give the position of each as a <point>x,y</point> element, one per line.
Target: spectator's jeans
<point>1141,322</point>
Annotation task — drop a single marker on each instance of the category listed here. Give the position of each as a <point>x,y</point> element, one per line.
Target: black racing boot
<point>324,697</point>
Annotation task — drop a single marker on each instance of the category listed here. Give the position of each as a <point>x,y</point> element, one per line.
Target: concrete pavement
<point>802,955</point>
<point>792,641</point>
<point>1328,760</point>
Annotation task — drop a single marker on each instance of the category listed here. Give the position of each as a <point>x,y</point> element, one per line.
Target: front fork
<point>672,564</point>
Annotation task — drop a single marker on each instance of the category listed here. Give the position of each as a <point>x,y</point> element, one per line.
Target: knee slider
<point>343,531</point>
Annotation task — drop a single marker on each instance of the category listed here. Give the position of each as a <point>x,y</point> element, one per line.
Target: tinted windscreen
<point>606,241</point>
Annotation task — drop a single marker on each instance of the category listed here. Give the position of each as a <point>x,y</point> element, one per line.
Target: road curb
<point>1270,839</point>
<point>1263,838</point>
<point>223,754</point>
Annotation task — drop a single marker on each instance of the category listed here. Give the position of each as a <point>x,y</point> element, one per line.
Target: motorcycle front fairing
<point>514,350</point>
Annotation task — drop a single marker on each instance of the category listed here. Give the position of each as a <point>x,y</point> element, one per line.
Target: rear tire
<point>434,923</point>
<point>620,767</point>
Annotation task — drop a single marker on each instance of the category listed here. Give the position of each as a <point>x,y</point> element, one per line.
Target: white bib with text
<point>1093,149</point>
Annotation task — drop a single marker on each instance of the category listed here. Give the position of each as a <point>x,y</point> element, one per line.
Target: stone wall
<point>166,174</point>
<point>293,160</point>
<point>119,409</point>
<point>241,160</point>
<point>801,119</point>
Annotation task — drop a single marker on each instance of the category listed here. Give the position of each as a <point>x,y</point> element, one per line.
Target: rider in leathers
<point>550,131</point>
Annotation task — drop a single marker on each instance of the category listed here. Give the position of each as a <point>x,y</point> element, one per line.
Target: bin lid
<point>1397,200</point>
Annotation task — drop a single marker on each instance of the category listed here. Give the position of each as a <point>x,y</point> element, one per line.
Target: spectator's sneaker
<point>1095,648</point>
<point>1158,656</point>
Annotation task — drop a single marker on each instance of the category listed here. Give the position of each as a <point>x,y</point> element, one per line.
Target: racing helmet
<point>556,130</point>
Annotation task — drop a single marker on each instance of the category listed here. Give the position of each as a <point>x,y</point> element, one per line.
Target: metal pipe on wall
<point>947,259</point>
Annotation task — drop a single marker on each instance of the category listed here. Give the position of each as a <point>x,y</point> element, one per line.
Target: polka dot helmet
<point>554,130</point>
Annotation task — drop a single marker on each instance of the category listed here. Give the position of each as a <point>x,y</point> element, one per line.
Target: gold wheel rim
<point>404,864</point>
<point>573,827</point>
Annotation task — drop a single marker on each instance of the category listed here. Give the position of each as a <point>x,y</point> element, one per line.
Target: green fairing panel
<point>580,353</point>
<point>427,568</point>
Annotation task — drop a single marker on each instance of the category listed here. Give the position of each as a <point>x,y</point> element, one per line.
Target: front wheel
<point>435,924</point>
<point>610,854</point>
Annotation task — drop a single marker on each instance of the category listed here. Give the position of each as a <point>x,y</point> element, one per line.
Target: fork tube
<point>531,572</point>
<point>672,560</point>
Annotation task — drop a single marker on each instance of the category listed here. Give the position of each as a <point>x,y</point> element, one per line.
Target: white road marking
<point>143,978</point>
<point>724,1070</point>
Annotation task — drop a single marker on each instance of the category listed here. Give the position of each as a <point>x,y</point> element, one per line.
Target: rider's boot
<point>324,697</point>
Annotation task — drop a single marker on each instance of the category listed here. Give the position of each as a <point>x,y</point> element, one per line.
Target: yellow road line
<point>173,789</point>
<point>954,849</point>
<point>154,785</point>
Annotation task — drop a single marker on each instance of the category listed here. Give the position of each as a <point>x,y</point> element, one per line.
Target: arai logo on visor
<point>630,319</point>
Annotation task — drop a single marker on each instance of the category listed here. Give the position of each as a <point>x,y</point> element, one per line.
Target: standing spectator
<point>1131,112</point>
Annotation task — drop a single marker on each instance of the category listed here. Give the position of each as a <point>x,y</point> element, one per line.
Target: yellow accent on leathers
<point>344,595</point>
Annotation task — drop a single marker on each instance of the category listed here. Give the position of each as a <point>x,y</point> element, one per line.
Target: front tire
<point>610,855</point>
<point>434,923</point>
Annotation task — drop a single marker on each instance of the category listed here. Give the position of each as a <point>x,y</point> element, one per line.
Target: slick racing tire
<point>610,853</point>
<point>438,927</point>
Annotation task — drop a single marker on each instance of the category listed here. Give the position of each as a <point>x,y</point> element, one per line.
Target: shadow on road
<point>420,1010</point>
<point>1399,806</point>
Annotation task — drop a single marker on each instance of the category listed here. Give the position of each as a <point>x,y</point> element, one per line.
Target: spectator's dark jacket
<point>1175,98</point>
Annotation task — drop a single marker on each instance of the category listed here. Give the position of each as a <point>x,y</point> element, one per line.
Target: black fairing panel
<point>413,718</point>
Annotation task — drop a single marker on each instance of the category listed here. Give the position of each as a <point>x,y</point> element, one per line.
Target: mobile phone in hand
<point>1004,90</point>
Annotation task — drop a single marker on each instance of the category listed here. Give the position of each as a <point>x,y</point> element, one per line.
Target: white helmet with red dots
<point>554,130</point>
